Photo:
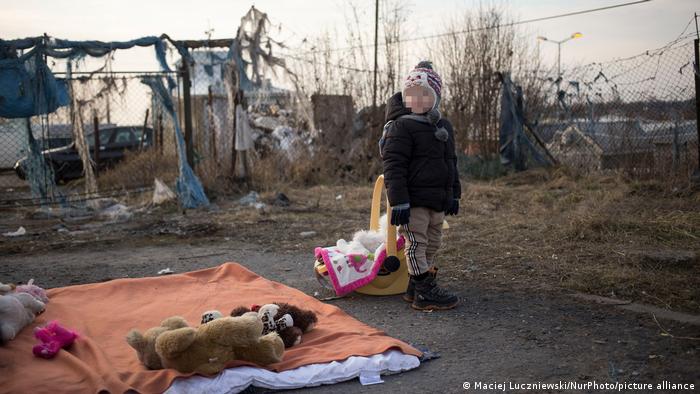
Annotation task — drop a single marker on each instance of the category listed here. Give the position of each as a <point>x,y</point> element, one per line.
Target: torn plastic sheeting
<point>161,192</point>
<point>244,133</point>
<point>269,123</point>
<point>69,49</point>
<point>62,49</point>
<point>29,88</point>
<point>250,198</point>
<point>116,212</point>
<point>188,187</point>
<point>287,138</point>
<point>514,143</point>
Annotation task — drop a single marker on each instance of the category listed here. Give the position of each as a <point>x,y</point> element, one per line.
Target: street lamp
<point>571,37</point>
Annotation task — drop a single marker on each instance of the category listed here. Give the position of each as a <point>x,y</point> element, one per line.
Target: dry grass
<point>543,229</point>
<point>539,229</point>
<point>323,167</point>
<point>587,234</point>
<point>139,169</point>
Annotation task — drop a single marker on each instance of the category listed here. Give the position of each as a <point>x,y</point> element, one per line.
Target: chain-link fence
<point>129,140</point>
<point>636,115</point>
<point>232,126</point>
<point>196,129</point>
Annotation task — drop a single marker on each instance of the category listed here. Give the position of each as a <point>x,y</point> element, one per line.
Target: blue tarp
<point>64,49</point>
<point>189,189</point>
<point>28,88</point>
<point>515,146</point>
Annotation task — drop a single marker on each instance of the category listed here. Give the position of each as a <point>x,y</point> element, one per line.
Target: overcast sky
<point>608,34</point>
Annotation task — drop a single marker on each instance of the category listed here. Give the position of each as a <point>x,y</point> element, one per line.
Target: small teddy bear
<point>210,316</point>
<point>17,310</point>
<point>53,338</point>
<point>145,344</point>
<point>274,317</point>
<point>34,290</point>
<point>208,348</point>
<point>267,314</point>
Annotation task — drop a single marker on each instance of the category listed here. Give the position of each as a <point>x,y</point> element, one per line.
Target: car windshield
<point>105,135</point>
<point>131,134</point>
<point>124,136</point>
<point>120,135</point>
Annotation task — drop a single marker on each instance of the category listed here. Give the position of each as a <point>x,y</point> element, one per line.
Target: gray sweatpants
<point>423,234</point>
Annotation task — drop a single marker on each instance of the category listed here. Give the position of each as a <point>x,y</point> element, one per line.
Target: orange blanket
<point>102,314</point>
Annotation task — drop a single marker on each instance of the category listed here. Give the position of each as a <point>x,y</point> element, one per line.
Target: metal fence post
<point>186,85</point>
<point>143,130</point>
<point>697,97</point>
<point>96,135</point>
<point>159,133</point>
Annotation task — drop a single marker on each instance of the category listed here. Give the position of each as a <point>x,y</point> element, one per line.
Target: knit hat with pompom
<point>424,75</point>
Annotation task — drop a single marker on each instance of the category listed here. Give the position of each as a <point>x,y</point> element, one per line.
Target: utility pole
<point>376,35</point>
<point>697,97</point>
<point>697,90</point>
<point>571,37</point>
<point>559,60</point>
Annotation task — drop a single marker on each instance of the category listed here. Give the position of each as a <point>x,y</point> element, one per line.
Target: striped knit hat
<point>424,75</point>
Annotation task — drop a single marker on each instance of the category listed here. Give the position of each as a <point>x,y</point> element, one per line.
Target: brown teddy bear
<point>145,344</point>
<point>274,319</point>
<point>208,348</point>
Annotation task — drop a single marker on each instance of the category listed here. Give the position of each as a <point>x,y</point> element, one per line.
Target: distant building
<point>209,69</point>
<point>640,148</point>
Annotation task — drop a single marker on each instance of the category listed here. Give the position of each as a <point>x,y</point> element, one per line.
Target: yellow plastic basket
<point>386,283</point>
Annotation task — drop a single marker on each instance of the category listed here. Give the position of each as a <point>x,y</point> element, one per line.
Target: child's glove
<point>400,214</point>
<point>453,209</point>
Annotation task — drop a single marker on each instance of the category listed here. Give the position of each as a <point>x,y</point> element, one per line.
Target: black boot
<point>428,295</point>
<point>410,290</point>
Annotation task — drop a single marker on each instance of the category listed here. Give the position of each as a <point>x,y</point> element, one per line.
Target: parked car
<point>114,142</point>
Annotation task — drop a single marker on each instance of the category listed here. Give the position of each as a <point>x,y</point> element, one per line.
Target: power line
<point>337,65</point>
<point>649,53</point>
<point>522,22</point>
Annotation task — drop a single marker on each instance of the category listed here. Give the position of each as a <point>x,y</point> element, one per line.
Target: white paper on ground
<point>20,231</point>
<point>370,377</point>
<point>235,380</point>
<point>161,192</point>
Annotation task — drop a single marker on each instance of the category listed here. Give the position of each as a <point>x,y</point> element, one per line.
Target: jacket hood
<point>395,107</point>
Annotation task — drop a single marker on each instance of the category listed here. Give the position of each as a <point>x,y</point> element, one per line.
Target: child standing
<point>420,173</point>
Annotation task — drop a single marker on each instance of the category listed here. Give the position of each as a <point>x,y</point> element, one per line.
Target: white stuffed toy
<point>364,242</point>
<point>17,310</point>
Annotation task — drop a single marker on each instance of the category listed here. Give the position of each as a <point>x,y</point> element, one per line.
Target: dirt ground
<point>518,250</point>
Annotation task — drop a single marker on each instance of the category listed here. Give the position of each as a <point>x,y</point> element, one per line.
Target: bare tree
<point>482,43</point>
<point>394,17</point>
<point>326,69</point>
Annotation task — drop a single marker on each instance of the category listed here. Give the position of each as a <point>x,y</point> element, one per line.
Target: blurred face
<point>419,99</point>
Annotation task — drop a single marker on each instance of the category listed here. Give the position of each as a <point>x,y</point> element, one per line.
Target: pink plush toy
<point>36,291</point>
<point>53,337</point>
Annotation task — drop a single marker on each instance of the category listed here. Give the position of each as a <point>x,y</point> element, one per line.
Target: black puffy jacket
<point>418,168</point>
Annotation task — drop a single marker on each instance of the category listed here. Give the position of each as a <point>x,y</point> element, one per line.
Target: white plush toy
<point>364,242</point>
<point>5,288</point>
<point>17,310</point>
